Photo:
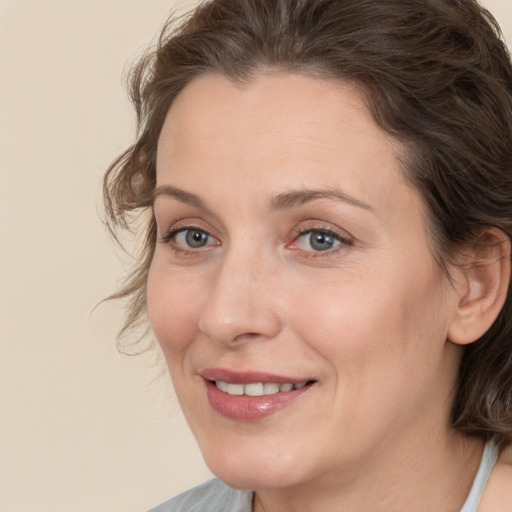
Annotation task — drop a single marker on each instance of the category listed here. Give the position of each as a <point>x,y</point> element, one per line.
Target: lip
<point>249,408</point>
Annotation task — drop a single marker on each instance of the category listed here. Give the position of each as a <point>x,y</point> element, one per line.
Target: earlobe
<point>484,277</point>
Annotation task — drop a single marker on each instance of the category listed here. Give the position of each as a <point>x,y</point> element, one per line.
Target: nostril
<point>247,336</point>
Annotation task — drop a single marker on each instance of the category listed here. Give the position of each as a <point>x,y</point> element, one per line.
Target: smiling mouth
<point>252,396</point>
<point>258,388</point>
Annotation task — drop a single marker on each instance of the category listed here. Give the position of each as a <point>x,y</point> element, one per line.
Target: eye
<point>186,239</point>
<point>192,238</point>
<point>317,241</point>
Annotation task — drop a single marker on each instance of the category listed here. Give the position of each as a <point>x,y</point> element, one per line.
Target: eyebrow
<point>300,197</point>
<point>179,195</point>
<point>286,200</point>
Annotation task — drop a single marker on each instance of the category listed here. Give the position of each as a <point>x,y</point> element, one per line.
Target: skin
<point>369,320</point>
<point>498,494</point>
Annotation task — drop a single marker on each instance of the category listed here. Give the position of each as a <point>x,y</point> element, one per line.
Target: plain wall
<point>82,428</point>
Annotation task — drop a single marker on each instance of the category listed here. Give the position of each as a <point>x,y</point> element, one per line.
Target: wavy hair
<point>436,75</point>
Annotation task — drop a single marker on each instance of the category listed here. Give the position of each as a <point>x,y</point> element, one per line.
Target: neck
<point>434,474</point>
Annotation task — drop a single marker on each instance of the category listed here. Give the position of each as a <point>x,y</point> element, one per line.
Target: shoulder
<point>212,496</point>
<point>498,494</point>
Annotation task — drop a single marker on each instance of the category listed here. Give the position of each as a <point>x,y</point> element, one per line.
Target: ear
<point>482,284</point>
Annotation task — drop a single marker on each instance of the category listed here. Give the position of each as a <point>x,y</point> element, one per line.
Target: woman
<point>327,259</point>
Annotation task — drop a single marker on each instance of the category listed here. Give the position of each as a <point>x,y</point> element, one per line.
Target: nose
<point>240,305</point>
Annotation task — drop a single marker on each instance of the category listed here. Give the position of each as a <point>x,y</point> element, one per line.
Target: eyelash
<point>323,230</point>
<point>169,239</point>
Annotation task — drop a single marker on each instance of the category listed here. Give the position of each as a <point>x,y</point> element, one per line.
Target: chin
<point>263,469</point>
<point>255,480</point>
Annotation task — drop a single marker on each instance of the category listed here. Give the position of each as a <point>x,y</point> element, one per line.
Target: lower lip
<point>250,408</point>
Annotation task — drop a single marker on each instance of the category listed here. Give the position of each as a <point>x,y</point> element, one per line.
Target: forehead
<point>277,130</point>
<point>287,104</point>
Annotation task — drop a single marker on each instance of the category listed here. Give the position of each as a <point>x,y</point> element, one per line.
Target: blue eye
<point>317,240</point>
<point>193,238</point>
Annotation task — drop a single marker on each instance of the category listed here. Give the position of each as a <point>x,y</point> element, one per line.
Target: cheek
<point>367,325</point>
<point>173,310</point>
<point>385,356</point>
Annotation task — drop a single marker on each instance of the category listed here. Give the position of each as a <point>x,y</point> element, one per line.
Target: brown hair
<point>436,76</point>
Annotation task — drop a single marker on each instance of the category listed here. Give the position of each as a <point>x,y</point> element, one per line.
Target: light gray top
<point>489,458</point>
<point>214,496</point>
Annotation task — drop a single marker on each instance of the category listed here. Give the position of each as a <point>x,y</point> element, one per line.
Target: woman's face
<point>293,291</point>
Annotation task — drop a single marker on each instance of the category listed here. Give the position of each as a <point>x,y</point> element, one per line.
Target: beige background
<point>82,428</point>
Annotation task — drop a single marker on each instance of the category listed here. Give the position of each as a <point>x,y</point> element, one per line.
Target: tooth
<point>270,388</point>
<point>254,389</point>
<point>235,389</point>
<point>221,385</point>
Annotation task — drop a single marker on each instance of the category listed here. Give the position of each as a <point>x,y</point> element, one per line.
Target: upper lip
<point>248,377</point>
